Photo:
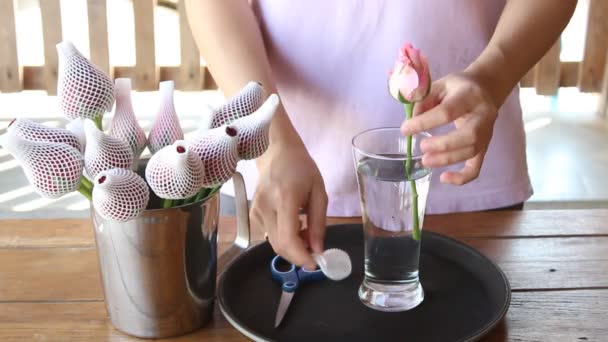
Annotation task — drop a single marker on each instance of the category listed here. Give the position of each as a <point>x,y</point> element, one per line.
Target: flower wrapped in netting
<point>245,102</point>
<point>253,130</point>
<point>218,150</point>
<point>124,125</point>
<point>120,194</point>
<point>83,90</point>
<point>104,152</point>
<point>34,131</point>
<point>53,169</point>
<point>175,172</point>
<point>166,128</point>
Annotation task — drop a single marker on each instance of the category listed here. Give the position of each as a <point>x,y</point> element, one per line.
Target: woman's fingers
<point>287,241</point>
<point>448,158</point>
<point>317,212</point>
<point>471,170</point>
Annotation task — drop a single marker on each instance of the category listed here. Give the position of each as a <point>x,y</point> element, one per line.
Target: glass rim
<point>384,157</point>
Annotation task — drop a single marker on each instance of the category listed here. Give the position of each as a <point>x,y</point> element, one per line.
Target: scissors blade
<point>282,308</point>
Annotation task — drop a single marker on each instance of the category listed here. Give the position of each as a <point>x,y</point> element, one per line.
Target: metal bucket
<point>159,270</point>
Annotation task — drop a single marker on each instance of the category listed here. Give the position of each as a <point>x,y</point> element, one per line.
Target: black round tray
<point>466,295</point>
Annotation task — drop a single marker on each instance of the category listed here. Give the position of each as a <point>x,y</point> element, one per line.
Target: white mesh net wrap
<point>166,129</point>
<point>34,131</point>
<point>124,125</point>
<point>175,172</point>
<point>217,148</point>
<point>253,130</point>
<point>76,126</point>
<point>53,169</point>
<point>248,100</point>
<point>104,152</point>
<point>83,90</point>
<point>120,194</point>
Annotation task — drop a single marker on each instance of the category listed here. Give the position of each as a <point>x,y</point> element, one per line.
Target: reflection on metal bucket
<point>159,270</point>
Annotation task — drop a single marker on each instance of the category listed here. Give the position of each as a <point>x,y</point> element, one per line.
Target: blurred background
<point>563,96</point>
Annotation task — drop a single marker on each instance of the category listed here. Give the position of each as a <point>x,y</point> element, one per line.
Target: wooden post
<point>98,34</point>
<point>547,75</point>
<point>596,45</point>
<point>146,73</point>
<point>603,103</point>
<point>529,79</point>
<point>190,66</point>
<point>10,73</point>
<point>50,12</point>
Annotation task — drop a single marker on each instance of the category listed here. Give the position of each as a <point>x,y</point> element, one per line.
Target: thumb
<point>431,100</point>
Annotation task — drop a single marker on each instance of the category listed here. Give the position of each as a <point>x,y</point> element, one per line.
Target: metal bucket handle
<point>243,238</point>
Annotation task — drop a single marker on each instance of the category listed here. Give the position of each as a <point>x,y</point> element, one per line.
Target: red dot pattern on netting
<point>175,175</point>
<point>104,152</point>
<point>253,130</point>
<point>124,125</point>
<point>122,196</point>
<point>34,131</point>
<point>248,100</point>
<point>53,169</point>
<point>219,153</point>
<point>165,129</point>
<point>83,90</point>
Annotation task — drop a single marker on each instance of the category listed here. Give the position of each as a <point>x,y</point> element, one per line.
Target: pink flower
<point>410,79</point>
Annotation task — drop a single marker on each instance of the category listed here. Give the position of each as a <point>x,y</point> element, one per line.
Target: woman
<point>328,61</point>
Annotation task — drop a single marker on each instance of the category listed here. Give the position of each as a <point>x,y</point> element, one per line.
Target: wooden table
<point>557,262</point>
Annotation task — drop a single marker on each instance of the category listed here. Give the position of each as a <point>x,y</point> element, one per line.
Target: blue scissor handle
<point>307,276</point>
<point>290,279</point>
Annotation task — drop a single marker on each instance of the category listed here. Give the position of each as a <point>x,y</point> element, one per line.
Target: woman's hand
<point>461,99</point>
<point>289,180</point>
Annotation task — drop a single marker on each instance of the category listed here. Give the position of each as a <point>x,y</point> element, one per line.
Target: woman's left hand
<point>461,99</point>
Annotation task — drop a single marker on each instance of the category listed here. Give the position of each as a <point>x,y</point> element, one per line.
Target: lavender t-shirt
<point>330,61</point>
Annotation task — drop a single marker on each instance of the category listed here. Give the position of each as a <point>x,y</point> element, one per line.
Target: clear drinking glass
<point>393,194</point>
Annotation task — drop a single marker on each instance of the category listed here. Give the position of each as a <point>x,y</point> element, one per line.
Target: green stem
<point>201,194</point>
<point>85,192</point>
<point>99,122</point>
<point>189,199</point>
<point>86,183</point>
<point>409,110</point>
<point>167,203</point>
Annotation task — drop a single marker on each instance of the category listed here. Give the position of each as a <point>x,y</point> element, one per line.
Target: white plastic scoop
<point>335,263</point>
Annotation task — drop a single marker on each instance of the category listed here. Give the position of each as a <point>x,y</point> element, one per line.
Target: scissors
<point>290,277</point>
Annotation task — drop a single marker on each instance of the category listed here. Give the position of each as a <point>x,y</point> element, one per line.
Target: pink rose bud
<point>410,79</point>
<point>247,101</point>
<point>253,130</point>
<point>124,125</point>
<point>120,195</point>
<point>83,90</point>
<point>165,129</point>
<point>104,152</point>
<point>218,150</point>
<point>34,131</point>
<point>53,169</point>
<point>175,172</point>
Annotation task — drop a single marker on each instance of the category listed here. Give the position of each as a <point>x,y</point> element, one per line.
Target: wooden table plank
<point>527,223</point>
<point>544,316</point>
<point>45,274</point>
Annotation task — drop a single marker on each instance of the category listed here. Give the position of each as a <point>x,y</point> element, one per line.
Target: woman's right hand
<point>289,181</point>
